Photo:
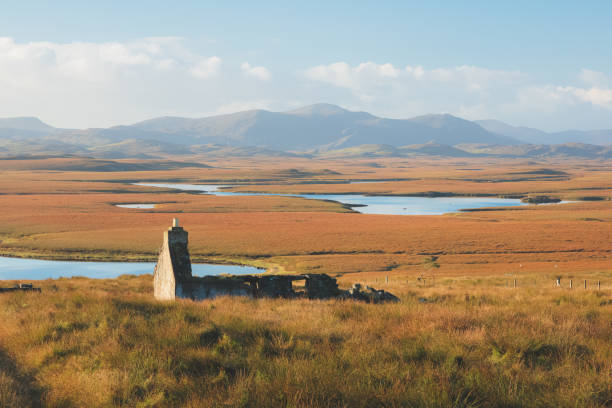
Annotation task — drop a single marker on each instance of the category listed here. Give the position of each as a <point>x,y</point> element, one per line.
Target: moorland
<point>464,336</point>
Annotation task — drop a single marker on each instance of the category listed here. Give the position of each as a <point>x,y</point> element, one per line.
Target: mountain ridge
<point>312,129</point>
<point>535,136</point>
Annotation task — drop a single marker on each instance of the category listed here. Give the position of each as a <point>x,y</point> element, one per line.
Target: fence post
<point>387,279</point>
<point>571,284</point>
<point>515,283</point>
<point>585,285</point>
<point>598,286</point>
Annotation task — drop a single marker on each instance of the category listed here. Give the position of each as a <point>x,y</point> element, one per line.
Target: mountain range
<point>320,129</point>
<point>535,136</point>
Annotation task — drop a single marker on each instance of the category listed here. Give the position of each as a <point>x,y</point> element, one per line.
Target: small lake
<point>35,269</point>
<point>390,205</point>
<point>143,205</point>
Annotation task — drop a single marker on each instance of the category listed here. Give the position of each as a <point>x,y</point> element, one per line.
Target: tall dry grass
<point>463,343</point>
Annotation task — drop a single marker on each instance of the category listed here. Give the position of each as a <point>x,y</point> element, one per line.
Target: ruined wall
<point>203,288</point>
<point>173,278</point>
<point>276,286</point>
<point>321,286</point>
<point>173,263</point>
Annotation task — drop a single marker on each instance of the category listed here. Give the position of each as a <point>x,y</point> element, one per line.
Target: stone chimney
<point>173,264</point>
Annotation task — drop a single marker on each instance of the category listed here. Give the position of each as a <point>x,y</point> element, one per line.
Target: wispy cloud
<point>593,78</point>
<point>78,84</point>
<point>32,64</point>
<point>259,72</point>
<point>206,68</point>
<point>361,79</point>
<point>470,91</point>
<point>366,77</point>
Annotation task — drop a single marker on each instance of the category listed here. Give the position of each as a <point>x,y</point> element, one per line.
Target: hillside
<point>318,126</point>
<point>320,129</point>
<point>535,136</point>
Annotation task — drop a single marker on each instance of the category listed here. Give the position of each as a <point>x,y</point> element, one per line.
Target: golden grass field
<point>467,341</point>
<point>462,343</point>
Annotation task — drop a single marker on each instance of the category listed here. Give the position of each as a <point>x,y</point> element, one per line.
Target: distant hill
<point>315,130</point>
<point>535,136</point>
<point>317,126</point>
<point>23,128</point>
<point>378,150</point>
<point>575,150</point>
<point>25,123</point>
<point>579,150</point>
<point>135,148</point>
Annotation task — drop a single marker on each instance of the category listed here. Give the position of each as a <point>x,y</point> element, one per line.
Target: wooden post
<point>515,283</point>
<point>571,284</point>
<point>585,286</point>
<point>387,279</point>
<point>598,286</point>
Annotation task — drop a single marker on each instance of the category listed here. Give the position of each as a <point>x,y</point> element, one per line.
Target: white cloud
<point>83,84</point>
<point>358,79</point>
<point>29,64</point>
<point>100,84</point>
<point>417,72</point>
<point>258,72</point>
<point>416,90</point>
<point>601,97</point>
<point>367,79</point>
<point>473,78</point>
<point>593,78</point>
<point>551,98</point>
<point>468,91</point>
<point>206,68</point>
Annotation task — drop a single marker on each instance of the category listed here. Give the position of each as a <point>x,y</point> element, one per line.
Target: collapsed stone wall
<point>21,287</point>
<point>173,279</point>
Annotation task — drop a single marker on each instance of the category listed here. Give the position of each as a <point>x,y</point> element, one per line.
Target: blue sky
<point>544,64</point>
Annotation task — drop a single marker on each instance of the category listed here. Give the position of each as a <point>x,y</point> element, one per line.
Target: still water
<point>390,205</point>
<point>141,205</point>
<point>34,269</point>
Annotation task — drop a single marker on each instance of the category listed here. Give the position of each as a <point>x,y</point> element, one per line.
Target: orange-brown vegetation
<point>70,214</point>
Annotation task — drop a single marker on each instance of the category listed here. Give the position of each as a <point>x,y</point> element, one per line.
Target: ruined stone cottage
<point>173,279</point>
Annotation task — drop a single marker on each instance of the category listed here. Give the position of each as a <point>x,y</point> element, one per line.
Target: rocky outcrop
<point>369,295</point>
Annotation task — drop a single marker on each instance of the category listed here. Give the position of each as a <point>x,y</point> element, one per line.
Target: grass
<point>461,344</point>
<point>469,341</point>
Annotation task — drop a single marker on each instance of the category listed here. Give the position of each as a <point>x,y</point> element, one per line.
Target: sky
<point>75,64</point>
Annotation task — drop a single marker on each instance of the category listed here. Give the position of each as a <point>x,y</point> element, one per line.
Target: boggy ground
<point>461,343</point>
<point>63,209</point>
